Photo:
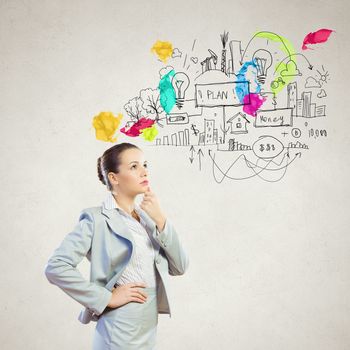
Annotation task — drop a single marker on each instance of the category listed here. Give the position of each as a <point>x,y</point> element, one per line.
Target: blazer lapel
<point>117,224</point>
<point>119,228</point>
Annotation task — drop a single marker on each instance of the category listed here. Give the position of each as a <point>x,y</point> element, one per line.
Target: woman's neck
<point>126,203</point>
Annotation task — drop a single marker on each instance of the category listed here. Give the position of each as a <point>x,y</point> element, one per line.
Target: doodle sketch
<point>249,110</point>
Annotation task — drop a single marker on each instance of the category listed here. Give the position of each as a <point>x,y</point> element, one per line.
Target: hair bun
<point>99,170</point>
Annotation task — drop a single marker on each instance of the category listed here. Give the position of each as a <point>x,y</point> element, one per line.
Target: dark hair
<point>110,161</point>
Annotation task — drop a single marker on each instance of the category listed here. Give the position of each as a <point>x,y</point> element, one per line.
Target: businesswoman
<point>132,250</point>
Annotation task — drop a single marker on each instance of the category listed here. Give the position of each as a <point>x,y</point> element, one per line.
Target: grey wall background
<point>269,262</point>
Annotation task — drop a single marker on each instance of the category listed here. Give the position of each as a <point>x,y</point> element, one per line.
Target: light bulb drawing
<point>180,82</point>
<point>263,61</point>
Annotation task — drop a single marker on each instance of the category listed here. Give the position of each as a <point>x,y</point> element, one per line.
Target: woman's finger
<point>137,299</point>
<point>139,294</point>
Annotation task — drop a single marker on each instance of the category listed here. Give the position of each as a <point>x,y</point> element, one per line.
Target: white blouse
<point>141,267</point>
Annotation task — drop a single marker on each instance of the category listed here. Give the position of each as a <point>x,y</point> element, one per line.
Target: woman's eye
<point>135,165</point>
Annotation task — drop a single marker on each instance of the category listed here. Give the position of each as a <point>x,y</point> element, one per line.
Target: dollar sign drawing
<point>195,131</point>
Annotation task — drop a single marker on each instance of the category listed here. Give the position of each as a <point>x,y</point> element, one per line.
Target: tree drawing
<point>151,103</point>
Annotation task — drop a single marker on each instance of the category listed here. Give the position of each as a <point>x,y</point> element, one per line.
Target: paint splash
<point>167,92</point>
<point>106,124</point>
<point>242,88</point>
<point>317,37</point>
<point>253,103</point>
<point>287,48</point>
<point>136,129</point>
<point>149,133</point>
<point>163,49</point>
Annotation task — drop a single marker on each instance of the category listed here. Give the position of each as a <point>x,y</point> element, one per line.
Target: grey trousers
<point>130,326</point>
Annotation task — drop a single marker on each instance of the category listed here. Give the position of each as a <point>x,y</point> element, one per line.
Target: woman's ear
<point>112,177</point>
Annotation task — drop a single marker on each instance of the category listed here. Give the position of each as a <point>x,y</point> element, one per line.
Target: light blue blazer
<point>102,236</point>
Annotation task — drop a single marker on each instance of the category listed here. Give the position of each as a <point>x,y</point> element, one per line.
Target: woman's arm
<point>169,241</point>
<point>167,238</point>
<point>61,268</point>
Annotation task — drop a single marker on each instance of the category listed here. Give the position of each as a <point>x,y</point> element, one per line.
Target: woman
<point>131,248</point>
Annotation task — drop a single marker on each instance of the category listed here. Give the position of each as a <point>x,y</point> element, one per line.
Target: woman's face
<point>132,172</point>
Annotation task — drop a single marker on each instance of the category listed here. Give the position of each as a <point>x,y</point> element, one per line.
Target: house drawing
<point>238,123</point>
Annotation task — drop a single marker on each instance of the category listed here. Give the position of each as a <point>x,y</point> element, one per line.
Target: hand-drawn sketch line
<point>242,99</point>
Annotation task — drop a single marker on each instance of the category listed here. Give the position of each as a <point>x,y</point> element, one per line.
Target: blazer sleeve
<point>176,254</point>
<point>61,268</point>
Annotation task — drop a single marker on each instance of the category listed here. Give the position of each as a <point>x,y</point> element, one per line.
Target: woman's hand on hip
<point>125,293</point>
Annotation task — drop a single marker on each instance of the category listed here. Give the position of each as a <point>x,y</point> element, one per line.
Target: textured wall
<point>269,261</point>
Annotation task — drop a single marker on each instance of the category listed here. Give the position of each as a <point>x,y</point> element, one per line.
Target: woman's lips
<point>144,182</point>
